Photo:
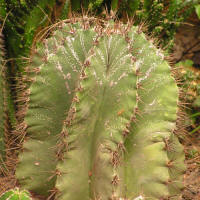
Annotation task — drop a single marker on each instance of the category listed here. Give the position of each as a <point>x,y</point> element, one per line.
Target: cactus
<point>7,115</point>
<point>15,194</point>
<point>1,104</point>
<point>21,20</point>
<point>6,108</point>
<point>100,110</point>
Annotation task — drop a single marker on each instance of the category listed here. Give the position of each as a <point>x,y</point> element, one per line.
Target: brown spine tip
<point>169,164</point>
<point>115,180</point>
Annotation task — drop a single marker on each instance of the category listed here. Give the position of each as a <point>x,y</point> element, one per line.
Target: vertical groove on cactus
<point>103,107</point>
<point>99,116</point>
<point>156,116</point>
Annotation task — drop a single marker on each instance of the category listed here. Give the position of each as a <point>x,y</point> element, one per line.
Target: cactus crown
<point>98,116</point>
<point>15,194</point>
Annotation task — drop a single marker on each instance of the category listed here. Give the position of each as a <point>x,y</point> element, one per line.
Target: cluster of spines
<point>63,142</point>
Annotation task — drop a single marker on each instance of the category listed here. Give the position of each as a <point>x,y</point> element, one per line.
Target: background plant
<point>161,17</point>
<point>191,87</point>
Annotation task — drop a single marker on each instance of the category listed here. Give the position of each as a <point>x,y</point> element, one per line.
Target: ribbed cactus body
<point>96,133</point>
<point>100,115</point>
<point>50,99</point>
<point>15,194</point>
<point>155,154</point>
<point>2,148</point>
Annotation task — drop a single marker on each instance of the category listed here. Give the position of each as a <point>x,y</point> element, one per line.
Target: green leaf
<point>197,9</point>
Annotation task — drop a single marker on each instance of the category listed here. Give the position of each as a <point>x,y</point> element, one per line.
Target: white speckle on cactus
<point>141,50</point>
<point>101,56</point>
<point>138,63</point>
<point>159,53</point>
<point>139,198</point>
<point>70,44</point>
<point>147,74</point>
<point>59,67</point>
<point>122,76</point>
<point>50,55</point>
<point>151,104</point>
<point>83,43</point>
<point>94,73</point>
<point>37,163</point>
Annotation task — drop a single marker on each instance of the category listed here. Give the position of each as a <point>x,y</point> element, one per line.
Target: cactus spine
<point>99,115</point>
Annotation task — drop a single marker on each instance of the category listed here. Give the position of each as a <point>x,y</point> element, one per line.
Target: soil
<point>187,46</point>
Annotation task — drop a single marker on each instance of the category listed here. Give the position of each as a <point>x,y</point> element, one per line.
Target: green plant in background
<point>191,79</point>
<point>191,87</point>
<point>161,17</point>
<point>98,115</point>
<point>21,22</point>
<point>197,9</point>
<point>87,5</point>
<point>15,194</point>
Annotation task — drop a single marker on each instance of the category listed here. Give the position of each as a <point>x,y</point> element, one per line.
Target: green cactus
<point>2,148</point>
<point>6,108</point>
<point>21,20</point>
<point>100,109</point>
<point>7,114</point>
<point>15,194</point>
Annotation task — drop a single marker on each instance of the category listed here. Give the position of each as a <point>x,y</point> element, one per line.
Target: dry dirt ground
<point>187,46</point>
